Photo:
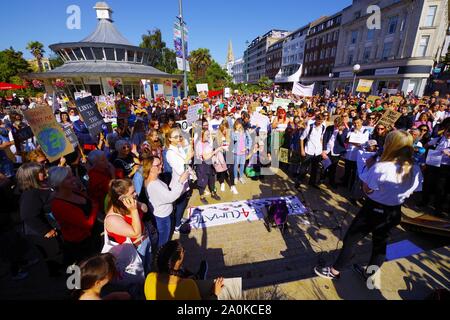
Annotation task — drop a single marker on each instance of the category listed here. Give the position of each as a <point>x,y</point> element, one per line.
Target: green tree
<point>12,64</point>
<point>37,50</point>
<point>55,61</point>
<point>217,78</point>
<point>265,83</point>
<point>200,61</point>
<point>161,57</point>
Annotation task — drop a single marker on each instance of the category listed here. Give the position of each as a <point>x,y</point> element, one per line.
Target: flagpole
<point>180,2</point>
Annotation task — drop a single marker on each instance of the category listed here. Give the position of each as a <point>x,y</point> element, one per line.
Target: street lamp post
<point>356,69</point>
<point>180,2</point>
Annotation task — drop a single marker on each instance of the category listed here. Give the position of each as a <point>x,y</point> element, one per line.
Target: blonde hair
<point>398,148</point>
<point>224,126</point>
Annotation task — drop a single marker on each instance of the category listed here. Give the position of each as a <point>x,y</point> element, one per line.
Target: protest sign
<point>158,90</point>
<point>284,155</point>
<point>193,113</point>
<point>303,90</point>
<point>278,102</point>
<point>372,98</point>
<point>395,99</point>
<point>91,116</point>
<point>184,125</point>
<point>389,118</point>
<point>364,85</point>
<point>227,92</point>
<point>202,87</point>
<point>71,136</point>
<point>48,132</point>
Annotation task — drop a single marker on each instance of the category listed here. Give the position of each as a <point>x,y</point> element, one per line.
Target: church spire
<point>230,55</point>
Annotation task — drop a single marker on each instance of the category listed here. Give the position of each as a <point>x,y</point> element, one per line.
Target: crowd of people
<point>132,183</point>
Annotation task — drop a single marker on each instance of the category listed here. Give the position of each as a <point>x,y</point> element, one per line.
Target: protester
<point>387,184</point>
<point>95,274</point>
<point>171,282</point>
<point>35,208</point>
<point>242,143</point>
<point>76,215</point>
<point>161,197</point>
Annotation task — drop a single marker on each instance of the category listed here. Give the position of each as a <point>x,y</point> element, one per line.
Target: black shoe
<point>204,201</point>
<point>203,270</point>
<point>215,196</point>
<point>326,273</point>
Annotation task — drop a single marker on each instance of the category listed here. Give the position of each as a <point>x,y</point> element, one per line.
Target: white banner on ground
<point>302,90</point>
<point>239,211</point>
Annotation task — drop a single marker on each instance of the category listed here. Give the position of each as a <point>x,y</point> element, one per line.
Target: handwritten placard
<point>48,132</point>
<point>91,116</point>
<point>389,118</point>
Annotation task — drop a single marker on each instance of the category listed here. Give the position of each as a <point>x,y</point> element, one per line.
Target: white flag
<point>302,90</point>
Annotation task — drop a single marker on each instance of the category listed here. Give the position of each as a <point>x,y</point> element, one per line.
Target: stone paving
<point>247,250</point>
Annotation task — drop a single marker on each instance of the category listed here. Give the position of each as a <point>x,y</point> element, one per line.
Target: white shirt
<point>176,157</point>
<point>330,145</point>
<point>314,145</point>
<point>389,187</point>
<point>362,136</point>
<point>260,120</point>
<point>443,145</point>
<point>214,124</point>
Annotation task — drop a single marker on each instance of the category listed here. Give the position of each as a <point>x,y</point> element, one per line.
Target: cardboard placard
<point>389,118</point>
<point>48,132</point>
<point>396,99</point>
<point>71,136</point>
<point>193,113</point>
<point>373,98</point>
<point>91,116</point>
<point>283,155</point>
<point>364,85</point>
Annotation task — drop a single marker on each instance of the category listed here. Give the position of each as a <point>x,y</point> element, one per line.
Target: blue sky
<point>211,23</point>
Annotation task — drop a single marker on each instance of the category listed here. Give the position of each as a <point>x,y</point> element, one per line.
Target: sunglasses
<point>176,137</point>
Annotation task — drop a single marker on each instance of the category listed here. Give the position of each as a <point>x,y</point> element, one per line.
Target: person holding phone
<point>161,197</point>
<point>124,219</point>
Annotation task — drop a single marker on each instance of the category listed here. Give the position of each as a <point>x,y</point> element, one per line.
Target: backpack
<point>277,215</point>
<point>311,126</point>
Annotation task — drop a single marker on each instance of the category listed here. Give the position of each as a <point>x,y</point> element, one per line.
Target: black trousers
<point>373,218</point>
<point>227,175</point>
<point>331,171</point>
<point>311,163</point>
<point>211,185</point>
<point>350,173</point>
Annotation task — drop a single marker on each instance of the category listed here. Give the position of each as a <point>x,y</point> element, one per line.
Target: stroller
<point>275,216</point>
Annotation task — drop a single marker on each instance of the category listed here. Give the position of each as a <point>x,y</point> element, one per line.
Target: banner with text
<point>238,211</point>
<point>303,90</point>
<point>48,132</point>
<point>364,85</point>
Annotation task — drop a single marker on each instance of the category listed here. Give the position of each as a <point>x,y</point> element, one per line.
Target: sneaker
<point>326,273</point>
<point>20,275</point>
<point>234,190</point>
<point>222,187</point>
<point>203,270</point>
<point>215,196</point>
<point>242,180</point>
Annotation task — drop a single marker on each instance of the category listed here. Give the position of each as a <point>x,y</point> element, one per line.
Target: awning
<point>10,86</point>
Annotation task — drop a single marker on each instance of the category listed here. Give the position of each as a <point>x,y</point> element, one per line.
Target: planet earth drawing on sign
<point>52,141</point>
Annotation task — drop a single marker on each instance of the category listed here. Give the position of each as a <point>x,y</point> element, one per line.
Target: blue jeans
<point>145,252</point>
<point>239,160</point>
<point>163,225</point>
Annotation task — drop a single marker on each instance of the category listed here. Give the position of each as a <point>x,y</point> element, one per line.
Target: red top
<point>75,225</point>
<point>121,239</point>
<point>98,185</point>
